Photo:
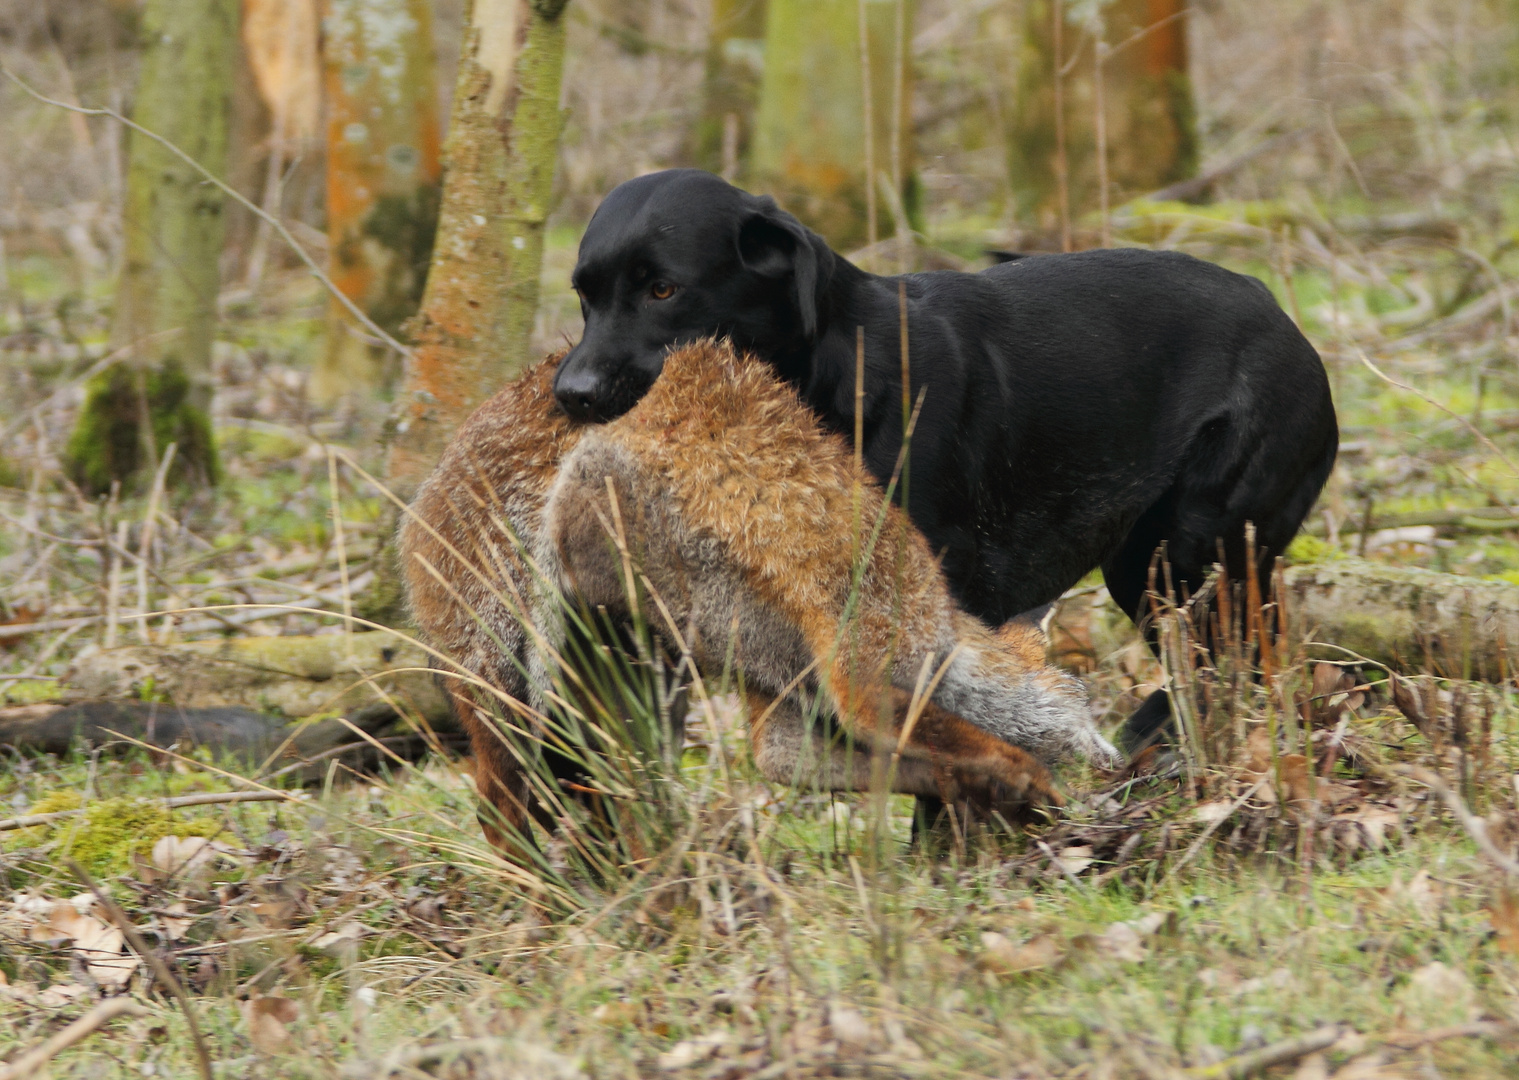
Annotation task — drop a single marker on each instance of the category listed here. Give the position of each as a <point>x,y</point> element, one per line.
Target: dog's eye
<point>661,290</point>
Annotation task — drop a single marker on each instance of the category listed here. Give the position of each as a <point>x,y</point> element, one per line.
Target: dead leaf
<point>1293,772</point>
<point>268,1019</point>
<point>693,1051</point>
<point>1437,995</point>
<point>344,936</point>
<point>1312,1067</point>
<point>850,1028</point>
<point>615,1013</point>
<point>1126,940</point>
<point>1327,681</point>
<point>1407,701</point>
<point>1073,860</point>
<point>1503,912</point>
<point>183,856</point>
<point>176,920</point>
<point>1424,895</point>
<point>1258,750</point>
<point>1000,956</point>
<point>98,944</point>
<point>1375,822</point>
<point>60,994</point>
<point>1120,941</point>
<point>1211,813</point>
<point>21,616</point>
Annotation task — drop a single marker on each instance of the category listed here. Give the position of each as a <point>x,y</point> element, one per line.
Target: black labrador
<point>1081,410</point>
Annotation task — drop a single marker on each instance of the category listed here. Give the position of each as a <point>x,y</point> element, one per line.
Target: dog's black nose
<point>578,393</point>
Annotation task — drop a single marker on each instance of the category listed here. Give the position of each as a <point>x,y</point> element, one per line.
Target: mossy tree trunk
<point>477,313</point>
<point>1148,110</point>
<point>173,223</point>
<point>810,147</point>
<point>731,85</point>
<point>476,323</point>
<point>383,173</point>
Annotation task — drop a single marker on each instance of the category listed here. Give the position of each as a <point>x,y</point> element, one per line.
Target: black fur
<point>1081,409</point>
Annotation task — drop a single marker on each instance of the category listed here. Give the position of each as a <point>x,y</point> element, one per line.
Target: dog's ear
<point>772,243</point>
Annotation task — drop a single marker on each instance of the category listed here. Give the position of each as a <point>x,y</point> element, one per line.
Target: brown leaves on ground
<point>1503,912</point>
<point>73,923</point>
<point>268,1020</point>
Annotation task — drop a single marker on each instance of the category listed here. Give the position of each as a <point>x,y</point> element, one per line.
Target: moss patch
<point>106,836</point>
<point>108,442</point>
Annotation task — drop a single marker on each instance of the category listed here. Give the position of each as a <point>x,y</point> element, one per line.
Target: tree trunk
<point>383,173</point>
<point>730,91</point>
<point>1148,113</point>
<point>810,145</point>
<point>166,295</point>
<point>476,322</point>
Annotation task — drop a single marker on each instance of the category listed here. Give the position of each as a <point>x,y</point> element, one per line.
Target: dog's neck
<point>825,370</point>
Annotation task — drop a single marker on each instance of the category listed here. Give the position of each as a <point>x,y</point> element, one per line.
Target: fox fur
<point>724,496</point>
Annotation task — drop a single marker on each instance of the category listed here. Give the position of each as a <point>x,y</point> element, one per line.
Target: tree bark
<point>167,292</point>
<point>1148,110</point>
<point>1406,618</point>
<point>810,145</point>
<point>730,90</point>
<point>383,173</point>
<point>477,314</point>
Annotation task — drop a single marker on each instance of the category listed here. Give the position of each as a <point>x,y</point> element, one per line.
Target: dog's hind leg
<point>1229,478</point>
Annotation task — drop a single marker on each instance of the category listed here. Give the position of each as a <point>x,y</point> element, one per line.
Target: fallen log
<point>294,677</point>
<point>302,696</point>
<point>1403,617</point>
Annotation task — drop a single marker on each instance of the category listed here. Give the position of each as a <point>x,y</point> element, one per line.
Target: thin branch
<point>155,964</point>
<point>1475,827</point>
<point>232,193</point>
<point>1279,1053</point>
<point>1379,373</point>
<point>210,799</point>
<point>36,1058</point>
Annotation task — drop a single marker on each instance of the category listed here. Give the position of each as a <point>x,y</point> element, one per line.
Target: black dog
<point>1081,410</point>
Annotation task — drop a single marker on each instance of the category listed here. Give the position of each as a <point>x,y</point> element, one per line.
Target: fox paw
<point>1015,787</point>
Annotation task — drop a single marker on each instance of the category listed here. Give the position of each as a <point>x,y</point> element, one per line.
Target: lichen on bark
<point>165,316</point>
<point>383,175</point>
<point>475,326</point>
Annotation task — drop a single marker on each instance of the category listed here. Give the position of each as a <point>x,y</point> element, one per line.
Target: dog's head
<point>677,256</point>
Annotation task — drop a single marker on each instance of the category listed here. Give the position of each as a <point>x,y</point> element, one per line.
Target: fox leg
<point>501,783</point>
<point>943,757</point>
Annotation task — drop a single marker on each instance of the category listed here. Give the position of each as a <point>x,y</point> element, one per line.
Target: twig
<point>1478,1029</point>
<point>232,193</point>
<point>210,799</point>
<point>1213,825</point>
<point>869,125</point>
<point>34,1059</point>
<point>1280,1053</point>
<point>1379,373</point>
<point>160,970</point>
<point>145,542</point>
<point>1475,826</point>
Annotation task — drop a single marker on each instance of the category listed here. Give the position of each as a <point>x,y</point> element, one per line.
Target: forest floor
<point>1326,913</point>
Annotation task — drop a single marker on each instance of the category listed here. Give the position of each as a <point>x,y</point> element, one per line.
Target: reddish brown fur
<point>739,509</point>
